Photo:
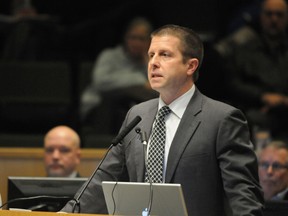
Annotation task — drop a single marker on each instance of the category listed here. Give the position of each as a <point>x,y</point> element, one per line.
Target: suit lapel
<point>185,131</point>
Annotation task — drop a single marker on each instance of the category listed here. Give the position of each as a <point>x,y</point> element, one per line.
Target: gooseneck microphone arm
<point>114,142</point>
<point>77,200</point>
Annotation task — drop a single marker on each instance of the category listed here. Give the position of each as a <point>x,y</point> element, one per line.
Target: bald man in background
<point>62,152</point>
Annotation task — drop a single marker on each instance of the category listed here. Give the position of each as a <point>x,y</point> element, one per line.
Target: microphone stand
<point>114,142</point>
<point>77,200</point>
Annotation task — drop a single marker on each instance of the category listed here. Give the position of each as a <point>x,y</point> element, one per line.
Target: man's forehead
<point>164,41</point>
<point>279,5</point>
<point>274,153</point>
<point>59,141</point>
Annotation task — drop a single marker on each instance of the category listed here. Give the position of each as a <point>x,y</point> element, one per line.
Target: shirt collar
<point>73,174</point>
<point>280,196</point>
<point>179,105</point>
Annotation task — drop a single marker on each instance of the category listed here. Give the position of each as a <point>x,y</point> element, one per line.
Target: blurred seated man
<point>62,152</point>
<point>258,73</point>
<point>273,170</point>
<point>119,76</point>
<point>28,34</point>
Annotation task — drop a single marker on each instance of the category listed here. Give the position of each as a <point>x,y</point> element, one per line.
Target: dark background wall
<point>77,32</point>
<point>90,25</point>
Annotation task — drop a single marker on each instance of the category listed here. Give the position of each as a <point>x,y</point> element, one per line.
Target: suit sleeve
<point>238,164</point>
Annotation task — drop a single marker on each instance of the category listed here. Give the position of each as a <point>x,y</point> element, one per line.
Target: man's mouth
<point>156,75</point>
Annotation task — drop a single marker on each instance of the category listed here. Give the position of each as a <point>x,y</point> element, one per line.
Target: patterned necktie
<point>156,148</point>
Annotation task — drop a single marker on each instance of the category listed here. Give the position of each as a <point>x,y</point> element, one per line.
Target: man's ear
<point>192,64</point>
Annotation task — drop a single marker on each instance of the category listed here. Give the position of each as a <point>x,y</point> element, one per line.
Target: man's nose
<point>154,61</point>
<point>56,154</point>
<point>270,169</point>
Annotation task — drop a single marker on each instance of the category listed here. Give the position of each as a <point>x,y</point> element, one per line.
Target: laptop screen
<point>132,198</point>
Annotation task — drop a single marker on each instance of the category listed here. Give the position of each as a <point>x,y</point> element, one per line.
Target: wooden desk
<point>35,213</point>
<point>29,162</point>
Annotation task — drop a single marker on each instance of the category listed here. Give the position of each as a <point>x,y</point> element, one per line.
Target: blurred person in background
<point>28,34</point>
<point>62,152</point>
<point>258,72</point>
<point>119,76</point>
<point>273,170</point>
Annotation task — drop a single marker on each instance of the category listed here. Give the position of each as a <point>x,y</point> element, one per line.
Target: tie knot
<point>163,112</point>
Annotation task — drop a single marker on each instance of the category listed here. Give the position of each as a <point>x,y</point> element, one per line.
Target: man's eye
<point>150,55</point>
<point>64,150</point>
<point>264,165</point>
<point>49,150</point>
<point>275,166</point>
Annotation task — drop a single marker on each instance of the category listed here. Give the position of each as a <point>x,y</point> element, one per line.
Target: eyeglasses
<point>275,166</point>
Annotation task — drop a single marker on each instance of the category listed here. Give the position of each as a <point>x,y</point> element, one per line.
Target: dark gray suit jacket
<point>211,156</point>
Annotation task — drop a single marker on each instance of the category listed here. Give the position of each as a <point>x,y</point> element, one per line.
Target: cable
<point>35,198</point>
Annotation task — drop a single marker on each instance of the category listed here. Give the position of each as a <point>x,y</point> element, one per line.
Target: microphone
<point>114,142</point>
<point>126,130</point>
<point>143,137</point>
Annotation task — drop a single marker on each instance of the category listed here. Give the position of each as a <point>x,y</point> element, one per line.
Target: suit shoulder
<point>143,108</point>
<point>219,106</point>
<point>146,105</point>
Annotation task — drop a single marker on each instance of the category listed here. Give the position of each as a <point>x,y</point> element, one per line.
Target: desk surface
<point>35,213</point>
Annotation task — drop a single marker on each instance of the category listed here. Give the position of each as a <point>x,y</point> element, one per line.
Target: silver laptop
<point>133,198</point>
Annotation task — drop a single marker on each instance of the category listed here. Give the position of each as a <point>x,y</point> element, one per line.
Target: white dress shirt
<point>172,121</point>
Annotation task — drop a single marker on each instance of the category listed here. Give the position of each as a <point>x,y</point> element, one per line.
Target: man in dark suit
<point>207,147</point>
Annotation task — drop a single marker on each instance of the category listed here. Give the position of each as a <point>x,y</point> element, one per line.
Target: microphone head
<point>126,130</point>
<point>143,137</point>
<point>137,130</point>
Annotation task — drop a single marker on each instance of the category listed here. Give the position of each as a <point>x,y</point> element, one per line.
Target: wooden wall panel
<point>29,162</point>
